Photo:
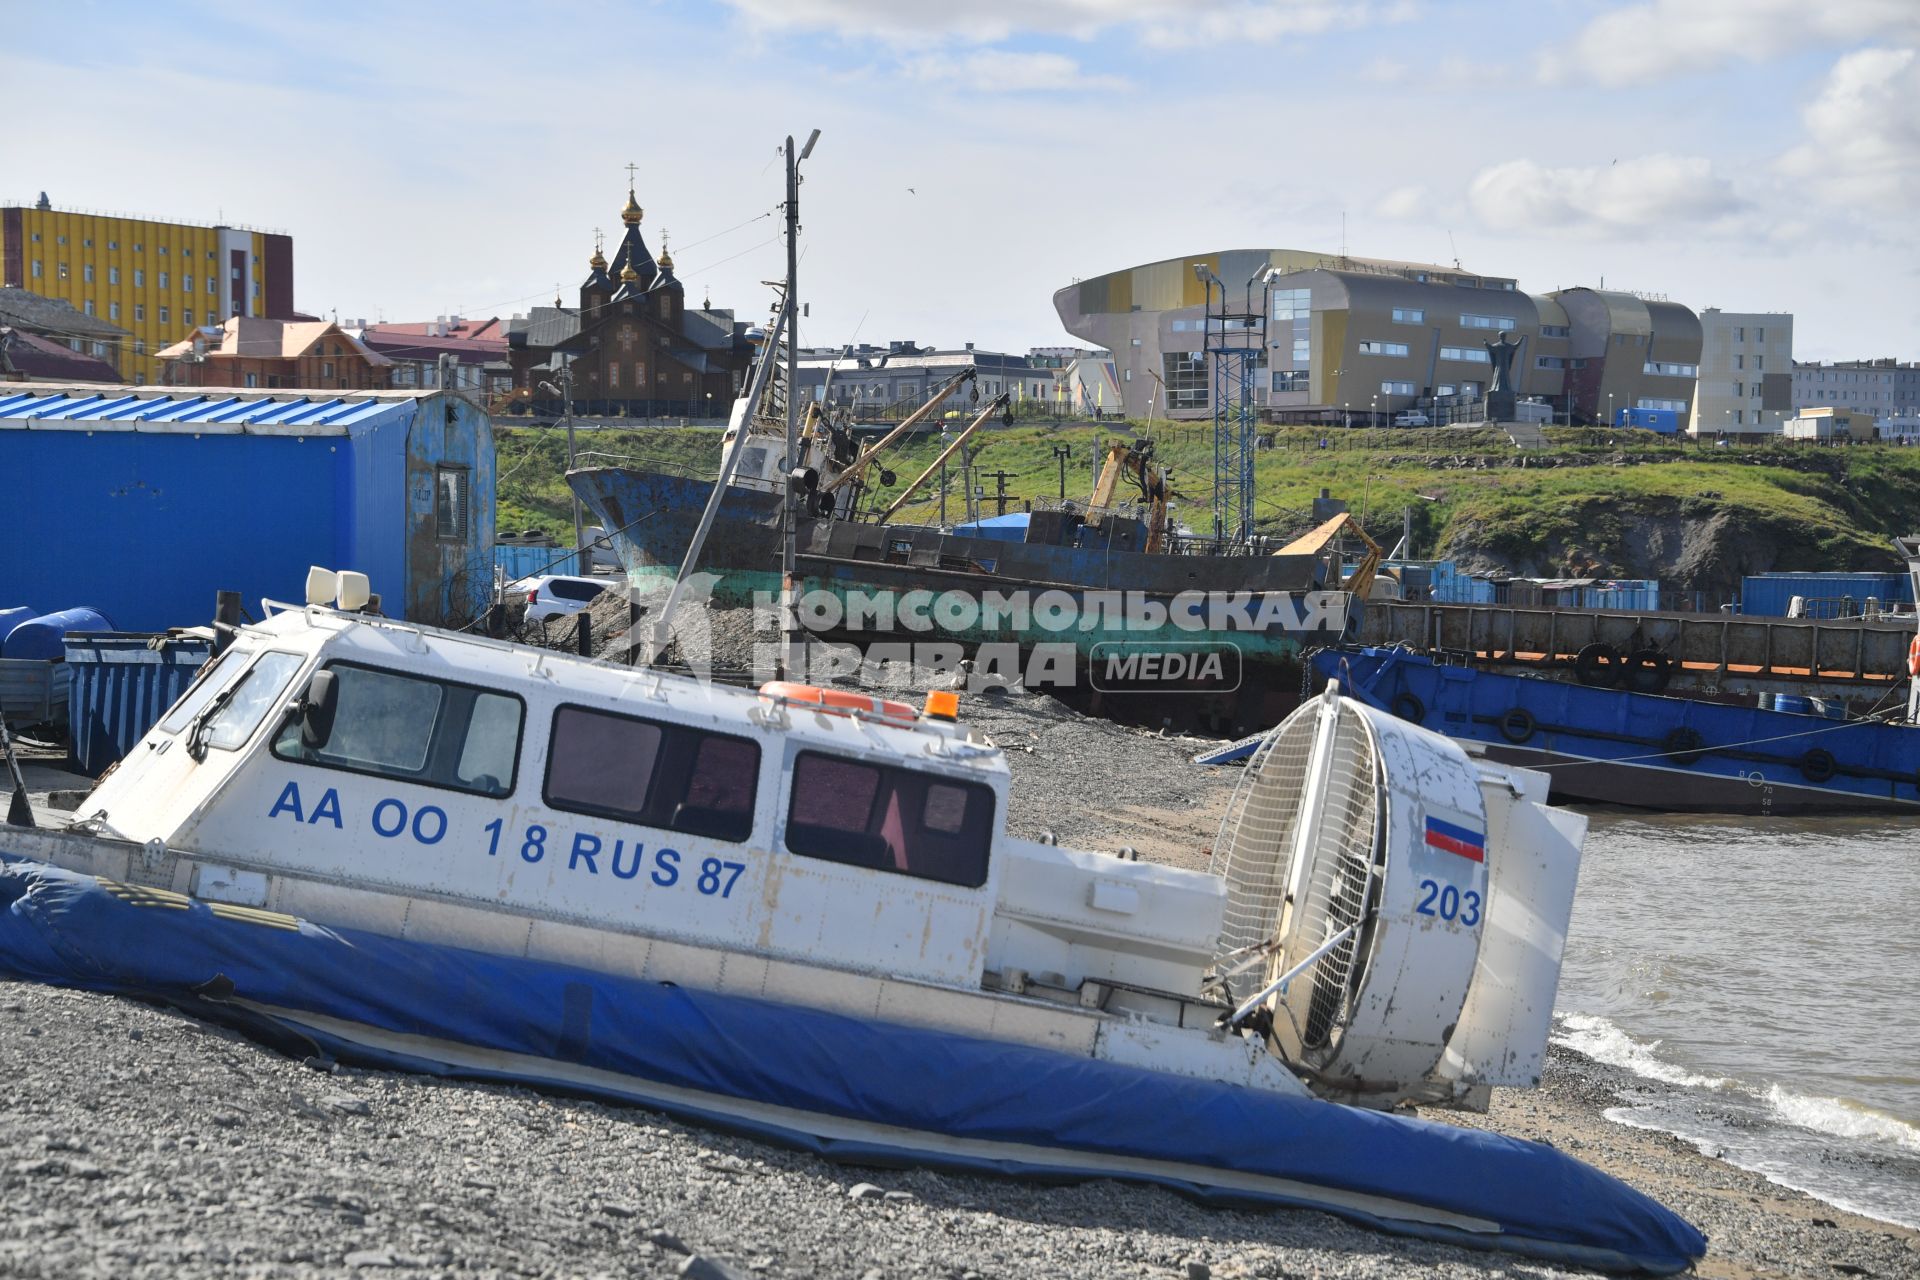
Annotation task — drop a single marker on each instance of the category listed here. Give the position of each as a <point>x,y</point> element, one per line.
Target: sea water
<point>1761,977</point>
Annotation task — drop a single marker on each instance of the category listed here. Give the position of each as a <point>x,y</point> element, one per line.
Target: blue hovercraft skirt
<point>849,1089</point>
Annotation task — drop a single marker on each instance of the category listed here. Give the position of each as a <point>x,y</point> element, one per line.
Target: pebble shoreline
<point>138,1142</point>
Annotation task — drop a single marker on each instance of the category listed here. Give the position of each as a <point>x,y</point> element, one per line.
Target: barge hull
<point>1581,780</point>
<point>1648,751</point>
<point>651,518</point>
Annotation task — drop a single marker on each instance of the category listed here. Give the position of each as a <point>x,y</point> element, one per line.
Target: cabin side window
<point>212,680</point>
<point>654,773</point>
<point>412,729</point>
<point>238,712</point>
<point>899,820</point>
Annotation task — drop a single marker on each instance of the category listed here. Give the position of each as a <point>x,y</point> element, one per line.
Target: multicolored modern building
<point>158,280</point>
<point>1372,340</point>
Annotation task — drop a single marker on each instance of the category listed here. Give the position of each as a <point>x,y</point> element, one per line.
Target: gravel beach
<point>135,1141</point>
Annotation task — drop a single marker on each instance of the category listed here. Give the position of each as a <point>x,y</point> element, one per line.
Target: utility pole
<point>943,483</point>
<point>999,489</point>
<point>579,532</point>
<point>565,392</point>
<point>788,605</point>
<point>1061,452</point>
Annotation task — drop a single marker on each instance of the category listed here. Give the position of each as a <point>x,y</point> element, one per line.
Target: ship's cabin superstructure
<point>480,792</point>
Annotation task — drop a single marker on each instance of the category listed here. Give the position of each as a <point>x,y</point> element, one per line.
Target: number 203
<point>1449,903</point>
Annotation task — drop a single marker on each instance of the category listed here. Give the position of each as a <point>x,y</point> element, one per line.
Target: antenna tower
<point>1236,348</point>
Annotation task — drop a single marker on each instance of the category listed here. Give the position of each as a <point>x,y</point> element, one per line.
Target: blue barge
<point>1611,746</point>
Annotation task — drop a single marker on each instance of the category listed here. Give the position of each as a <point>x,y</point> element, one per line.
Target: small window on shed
<point>453,500</point>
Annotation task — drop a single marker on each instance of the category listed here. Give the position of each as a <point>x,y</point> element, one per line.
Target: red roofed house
<point>476,352</point>
<point>249,351</point>
<point>28,357</point>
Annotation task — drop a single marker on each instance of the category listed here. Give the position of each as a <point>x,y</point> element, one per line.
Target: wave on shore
<point>1851,1155</point>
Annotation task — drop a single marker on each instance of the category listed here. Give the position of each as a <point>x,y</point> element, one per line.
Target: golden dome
<point>666,258</point>
<point>632,213</point>
<point>598,259</point>
<point>628,274</point>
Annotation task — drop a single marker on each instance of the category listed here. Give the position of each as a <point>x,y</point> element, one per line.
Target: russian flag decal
<point>1467,843</point>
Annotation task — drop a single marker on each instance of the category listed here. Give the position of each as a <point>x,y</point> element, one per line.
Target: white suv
<point>558,595</point>
<point>1412,418</point>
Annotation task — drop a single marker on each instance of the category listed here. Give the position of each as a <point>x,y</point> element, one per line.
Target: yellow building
<point>157,280</point>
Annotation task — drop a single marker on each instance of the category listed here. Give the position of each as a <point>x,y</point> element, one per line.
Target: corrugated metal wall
<point>146,527</point>
<point>1768,594</point>
<point>121,685</point>
<point>527,562</point>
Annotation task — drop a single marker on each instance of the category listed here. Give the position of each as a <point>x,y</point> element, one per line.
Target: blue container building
<point>521,561</point>
<point>1439,581</point>
<point>1826,595</point>
<point>143,502</point>
<point>1665,421</point>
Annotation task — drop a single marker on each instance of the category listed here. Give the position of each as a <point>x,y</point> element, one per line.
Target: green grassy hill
<point>1618,503</point>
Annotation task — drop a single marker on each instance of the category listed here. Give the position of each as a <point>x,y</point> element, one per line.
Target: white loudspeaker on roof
<point>322,585</point>
<point>355,591</point>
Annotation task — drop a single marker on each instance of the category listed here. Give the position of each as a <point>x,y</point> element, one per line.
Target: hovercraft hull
<point>853,1089</point>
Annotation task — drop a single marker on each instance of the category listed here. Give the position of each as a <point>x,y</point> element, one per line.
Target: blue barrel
<point>11,618</point>
<point>122,683</point>
<point>40,637</point>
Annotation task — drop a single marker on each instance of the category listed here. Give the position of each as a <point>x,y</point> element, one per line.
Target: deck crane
<point>1317,539</point>
<point>1134,461</point>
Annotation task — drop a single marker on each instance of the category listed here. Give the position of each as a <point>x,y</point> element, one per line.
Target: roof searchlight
<point>344,589</point>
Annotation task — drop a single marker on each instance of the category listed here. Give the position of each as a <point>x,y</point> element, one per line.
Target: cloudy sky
<point>1759,155</point>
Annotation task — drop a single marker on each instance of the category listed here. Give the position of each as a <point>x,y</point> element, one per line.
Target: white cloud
<point>1656,193</point>
<point>1001,71</point>
<point>1167,23</point>
<point>1863,133</point>
<point>1657,39</point>
<point>1385,71</point>
<point>907,21</point>
<point>1405,202</point>
<point>1224,22</point>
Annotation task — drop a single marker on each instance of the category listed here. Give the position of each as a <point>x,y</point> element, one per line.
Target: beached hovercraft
<point>795,913</point>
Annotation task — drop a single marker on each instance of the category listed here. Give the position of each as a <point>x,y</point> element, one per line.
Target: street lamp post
<point>565,392</point>
<point>1061,452</point>
<point>1373,411</point>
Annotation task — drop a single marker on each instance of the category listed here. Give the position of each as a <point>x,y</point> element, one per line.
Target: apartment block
<point>1746,374</point>
<point>158,280</point>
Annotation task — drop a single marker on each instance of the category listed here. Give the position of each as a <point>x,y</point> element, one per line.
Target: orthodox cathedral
<point>633,346</point>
